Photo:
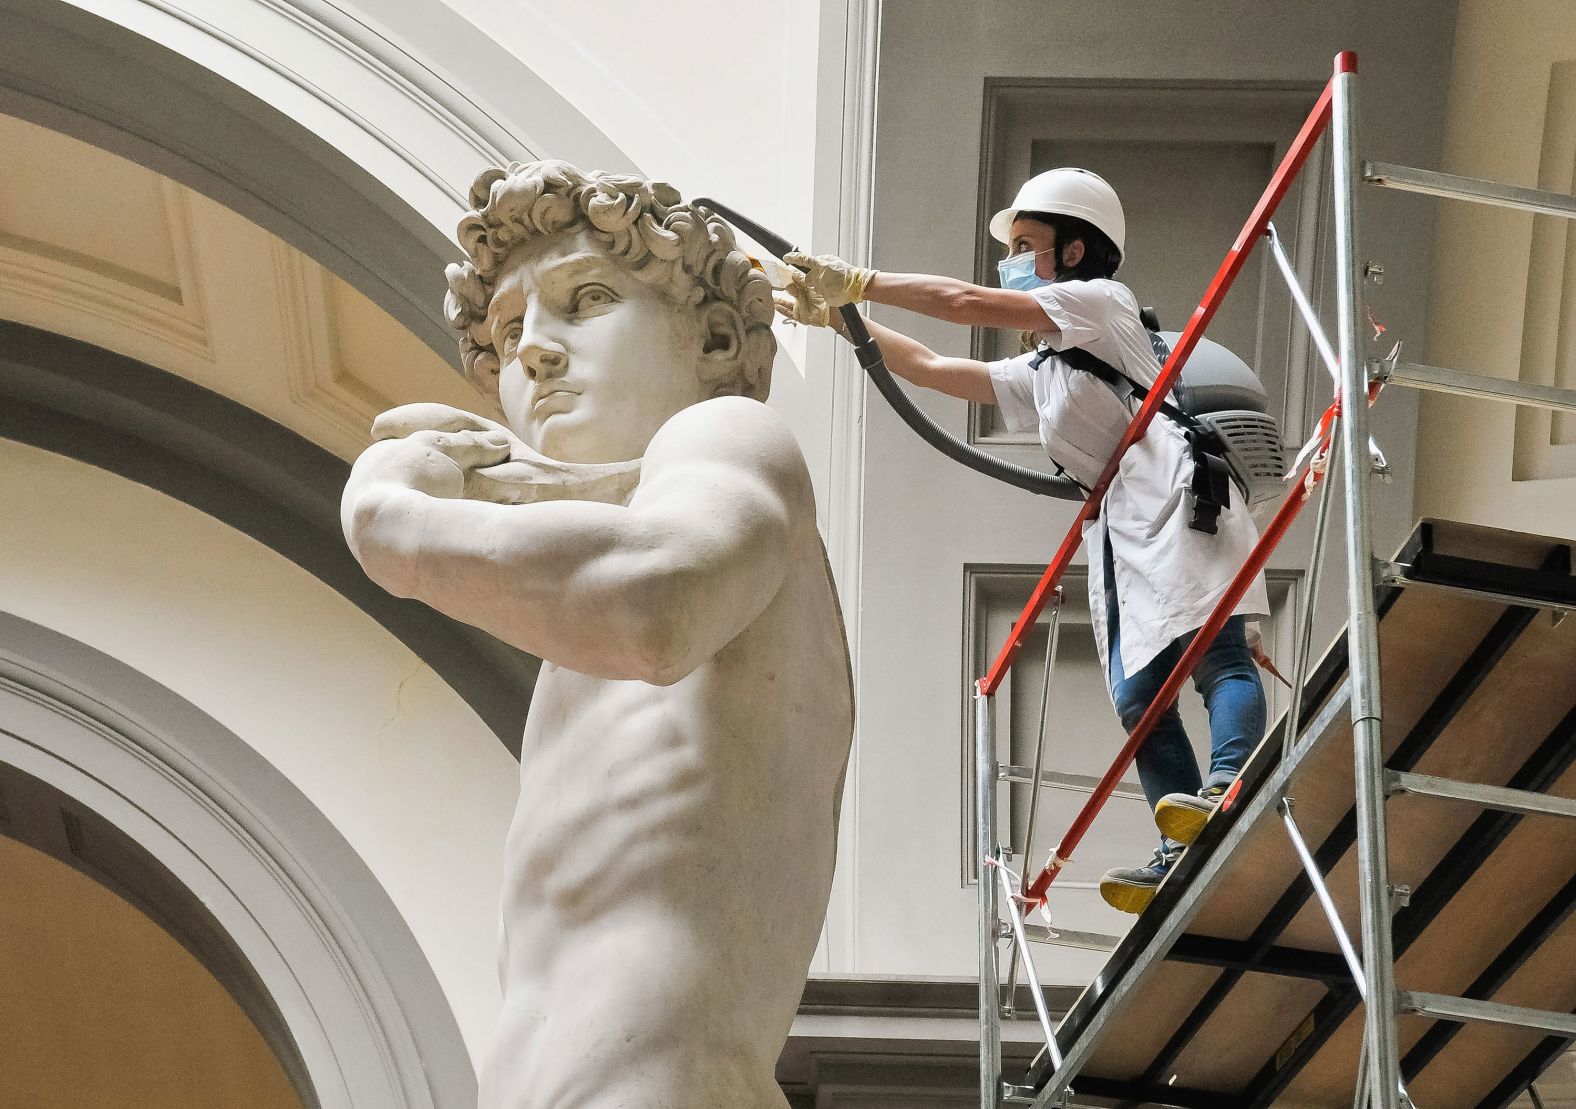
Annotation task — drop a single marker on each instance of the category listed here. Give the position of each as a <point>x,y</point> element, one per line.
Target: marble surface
<point>641,521</point>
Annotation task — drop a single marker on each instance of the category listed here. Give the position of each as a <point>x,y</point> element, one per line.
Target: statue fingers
<point>469,450</point>
<point>408,419</point>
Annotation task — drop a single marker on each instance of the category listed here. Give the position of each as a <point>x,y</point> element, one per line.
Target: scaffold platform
<point>1232,991</point>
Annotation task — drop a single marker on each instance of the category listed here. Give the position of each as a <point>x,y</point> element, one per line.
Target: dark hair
<point>1100,257</point>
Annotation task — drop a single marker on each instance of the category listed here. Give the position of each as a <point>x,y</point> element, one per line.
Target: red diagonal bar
<point>1273,534</point>
<point>1235,258</point>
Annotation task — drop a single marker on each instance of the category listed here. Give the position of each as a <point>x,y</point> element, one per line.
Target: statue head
<point>594,306</point>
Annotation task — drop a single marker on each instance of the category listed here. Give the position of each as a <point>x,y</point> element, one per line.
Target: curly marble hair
<point>685,251</point>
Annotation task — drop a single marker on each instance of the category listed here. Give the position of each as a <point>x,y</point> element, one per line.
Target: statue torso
<point>675,843</point>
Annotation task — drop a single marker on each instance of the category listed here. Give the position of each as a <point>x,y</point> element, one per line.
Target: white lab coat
<point>1168,576</point>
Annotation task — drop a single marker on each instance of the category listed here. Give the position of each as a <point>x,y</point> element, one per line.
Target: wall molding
<point>351,52</point>
<point>846,121</point>
<point>1544,445</point>
<point>351,137</point>
<point>314,370</point>
<point>171,315</point>
<point>1020,110</point>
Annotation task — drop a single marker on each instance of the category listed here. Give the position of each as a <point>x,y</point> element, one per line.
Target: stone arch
<point>328,131</point>
<point>208,838</point>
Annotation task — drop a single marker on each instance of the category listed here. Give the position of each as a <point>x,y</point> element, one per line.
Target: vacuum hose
<point>868,352</point>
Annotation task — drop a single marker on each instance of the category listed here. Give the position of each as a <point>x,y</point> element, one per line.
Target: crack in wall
<point>399,699</point>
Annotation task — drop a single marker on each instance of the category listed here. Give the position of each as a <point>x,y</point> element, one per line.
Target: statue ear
<point>722,333</point>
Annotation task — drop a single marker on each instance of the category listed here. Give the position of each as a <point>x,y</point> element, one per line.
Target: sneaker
<point>1130,889</point>
<point>1182,816</point>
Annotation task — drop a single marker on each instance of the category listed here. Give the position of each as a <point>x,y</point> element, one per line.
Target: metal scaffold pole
<point>1363,630</point>
<point>985,848</point>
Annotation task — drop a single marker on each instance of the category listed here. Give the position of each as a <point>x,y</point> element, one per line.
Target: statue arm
<point>646,591</point>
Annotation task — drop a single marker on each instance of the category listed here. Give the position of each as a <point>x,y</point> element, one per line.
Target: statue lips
<point>553,400</point>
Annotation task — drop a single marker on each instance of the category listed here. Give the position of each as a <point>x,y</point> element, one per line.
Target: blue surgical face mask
<point>1018,273</point>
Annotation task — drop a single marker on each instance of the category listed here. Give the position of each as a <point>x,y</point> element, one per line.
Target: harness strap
<point>1124,387</point>
<point>1040,355</point>
<point>1210,487</point>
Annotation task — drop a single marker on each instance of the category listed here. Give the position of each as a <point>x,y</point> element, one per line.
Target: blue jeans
<point>1226,678</point>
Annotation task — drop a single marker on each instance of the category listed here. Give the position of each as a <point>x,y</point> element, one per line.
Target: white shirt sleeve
<point>1013,383</point>
<point>1101,317</point>
<point>1081,311</point>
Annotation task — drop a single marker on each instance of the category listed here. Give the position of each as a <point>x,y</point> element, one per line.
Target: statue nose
<point>544,361</point>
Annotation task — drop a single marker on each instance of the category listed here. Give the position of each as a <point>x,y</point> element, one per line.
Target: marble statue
<point>645,525</point>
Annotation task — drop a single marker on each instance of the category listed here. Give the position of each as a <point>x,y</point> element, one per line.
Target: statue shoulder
<point>742,436</point>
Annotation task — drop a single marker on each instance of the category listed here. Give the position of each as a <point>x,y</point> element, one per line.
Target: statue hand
<point>432,462</point>
<point>380,518</point>
<point>411,420</point>
<point>408,419</point>
<point>518,475</point>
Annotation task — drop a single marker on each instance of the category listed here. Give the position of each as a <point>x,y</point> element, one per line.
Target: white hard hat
<point>1066,192</point>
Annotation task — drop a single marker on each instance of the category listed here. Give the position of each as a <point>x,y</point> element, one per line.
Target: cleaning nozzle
<point>778,272</point>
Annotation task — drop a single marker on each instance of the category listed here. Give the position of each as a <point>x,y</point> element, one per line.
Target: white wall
<point>713,96</point>
<point>415,782</point>
<point>1504,280</point>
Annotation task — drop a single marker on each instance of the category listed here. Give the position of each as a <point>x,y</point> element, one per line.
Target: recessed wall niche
<point>1545,443</point>
<point>1189,161</point>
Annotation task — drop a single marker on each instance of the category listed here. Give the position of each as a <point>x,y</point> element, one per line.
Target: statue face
<point>594,360</point>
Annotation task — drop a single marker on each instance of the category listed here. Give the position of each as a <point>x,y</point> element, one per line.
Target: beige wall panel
<point>69,199</point>
<point>296,344</point>
<point>100,249</point>
<point>95,247</point>
<point>103,1009</point>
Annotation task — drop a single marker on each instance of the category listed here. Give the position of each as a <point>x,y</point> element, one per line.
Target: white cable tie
<point>1055,862</point>
<point>1376,456</point>
<point>1308,450</point>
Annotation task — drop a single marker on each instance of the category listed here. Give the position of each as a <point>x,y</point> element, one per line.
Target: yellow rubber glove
<point>802,304</point>
<point>837,282</point>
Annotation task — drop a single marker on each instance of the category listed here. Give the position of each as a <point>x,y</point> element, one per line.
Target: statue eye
<point>589,297</point>
<point>511,338</point>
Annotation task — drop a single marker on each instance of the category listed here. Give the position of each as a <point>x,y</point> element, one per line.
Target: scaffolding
<point>1319,700</point>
